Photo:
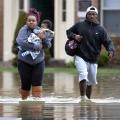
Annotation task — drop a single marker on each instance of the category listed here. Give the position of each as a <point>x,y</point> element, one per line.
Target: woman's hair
<point>48,22</point>
<point>35,13</point>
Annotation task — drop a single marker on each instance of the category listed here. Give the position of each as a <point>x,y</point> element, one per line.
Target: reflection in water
<point>107,87</point>
<point>8,111</point>
<point>61,85</point>
<point>29,111</point>
<point>9,84</point>
<point>89,112</point>
<point>63,113</point>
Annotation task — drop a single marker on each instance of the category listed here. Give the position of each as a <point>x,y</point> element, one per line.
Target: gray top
<point>22,41</point>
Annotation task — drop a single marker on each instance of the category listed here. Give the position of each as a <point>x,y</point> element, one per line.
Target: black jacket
<point>94,36</point>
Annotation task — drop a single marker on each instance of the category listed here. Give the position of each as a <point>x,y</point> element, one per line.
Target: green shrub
<point>70,64</point>
<point>103,59</point>
<point>20,23</point>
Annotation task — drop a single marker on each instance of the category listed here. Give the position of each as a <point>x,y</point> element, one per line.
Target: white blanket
<point>35,40</point>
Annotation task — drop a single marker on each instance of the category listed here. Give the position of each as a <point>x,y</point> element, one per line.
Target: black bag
<point>70,47</point>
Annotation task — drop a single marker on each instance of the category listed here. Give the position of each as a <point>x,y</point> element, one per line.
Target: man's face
<point>31,21</point>
<point>91,16</point>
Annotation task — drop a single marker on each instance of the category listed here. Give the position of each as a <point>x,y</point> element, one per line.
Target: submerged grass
<point>9,69</point>
<point>101,71</point>
<point>108,72</point>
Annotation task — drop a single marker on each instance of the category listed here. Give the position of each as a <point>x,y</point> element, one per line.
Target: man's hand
<point>110,55</point>
<point>78,37</point>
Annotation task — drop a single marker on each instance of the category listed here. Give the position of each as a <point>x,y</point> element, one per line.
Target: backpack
<point>70,47</point>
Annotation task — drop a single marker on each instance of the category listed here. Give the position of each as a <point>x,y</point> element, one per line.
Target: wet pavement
<point>61,99</point>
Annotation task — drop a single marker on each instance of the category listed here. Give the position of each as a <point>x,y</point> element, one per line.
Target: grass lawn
<point>101,71</point>
<point>108,72</point>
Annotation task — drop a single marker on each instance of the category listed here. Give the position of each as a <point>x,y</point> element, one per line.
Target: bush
<point>70,64</point>
<point>103,59</point>
<point>20,23</point>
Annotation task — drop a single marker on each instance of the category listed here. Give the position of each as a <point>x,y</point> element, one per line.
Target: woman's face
<point>31,21</point>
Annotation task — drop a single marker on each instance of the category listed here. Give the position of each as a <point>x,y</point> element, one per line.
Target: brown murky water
<point>60,92</point>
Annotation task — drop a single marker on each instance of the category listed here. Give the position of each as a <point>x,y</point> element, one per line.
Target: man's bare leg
<point>88,91</point>
<point>82,87</point>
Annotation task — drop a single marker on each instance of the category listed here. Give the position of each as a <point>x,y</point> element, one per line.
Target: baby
<point>48,33</point>
<point>34,38</point>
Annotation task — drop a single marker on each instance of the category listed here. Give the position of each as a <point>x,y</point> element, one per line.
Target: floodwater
<point>61,99</point>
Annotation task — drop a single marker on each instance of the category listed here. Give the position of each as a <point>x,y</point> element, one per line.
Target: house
<point>9,12</point>
<point>63,13</point>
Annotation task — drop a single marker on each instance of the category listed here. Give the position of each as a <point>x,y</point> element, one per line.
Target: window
<point>82,5</point>
<point>63,10</point>
<point>112,21</point>
<point>111,4</point>
<point>111,15</point>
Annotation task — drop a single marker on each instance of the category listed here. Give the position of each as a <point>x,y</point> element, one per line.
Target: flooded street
<point>61,99</point>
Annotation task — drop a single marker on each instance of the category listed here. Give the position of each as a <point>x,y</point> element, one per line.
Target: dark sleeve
<point>71,32</point>
<point>23,43</point>
<point>47,43</point>
<point>107,42</point>
<point>47,40</point>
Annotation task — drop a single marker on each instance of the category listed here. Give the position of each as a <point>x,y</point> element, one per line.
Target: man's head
<point>91,14</point>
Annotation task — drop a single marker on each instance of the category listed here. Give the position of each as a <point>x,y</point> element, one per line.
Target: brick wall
<point>116,58</point>
<point>95,3</point>
<point>1,29</point>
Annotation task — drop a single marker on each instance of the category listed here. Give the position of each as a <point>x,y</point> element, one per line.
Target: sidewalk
<point>6,64</point>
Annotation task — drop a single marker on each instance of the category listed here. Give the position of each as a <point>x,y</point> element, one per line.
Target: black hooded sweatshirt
<point>94,36</point>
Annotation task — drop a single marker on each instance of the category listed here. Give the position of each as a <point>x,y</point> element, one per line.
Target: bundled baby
<point>34,38</point>
<point>37,37</point>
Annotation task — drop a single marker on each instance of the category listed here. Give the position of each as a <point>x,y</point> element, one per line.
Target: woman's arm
<point>23,43</point>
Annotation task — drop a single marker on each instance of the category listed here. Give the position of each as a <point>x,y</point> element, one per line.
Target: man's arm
<point>73,34</point>
<point>108,44</point>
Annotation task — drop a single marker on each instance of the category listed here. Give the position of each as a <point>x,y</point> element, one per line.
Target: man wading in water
<point>91,37</point>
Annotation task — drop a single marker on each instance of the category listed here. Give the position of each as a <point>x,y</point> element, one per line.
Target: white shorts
<point>87,71</point>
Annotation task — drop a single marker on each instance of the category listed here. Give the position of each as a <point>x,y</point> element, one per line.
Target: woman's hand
<point>41,35</point>
<point>41,46</point>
